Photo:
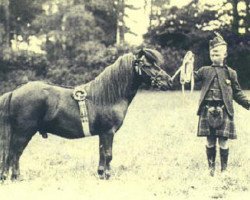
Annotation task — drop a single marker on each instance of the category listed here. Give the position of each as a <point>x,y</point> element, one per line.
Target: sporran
<point>215,116</point>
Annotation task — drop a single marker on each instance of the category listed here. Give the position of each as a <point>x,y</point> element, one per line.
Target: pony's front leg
<point>105,150</point>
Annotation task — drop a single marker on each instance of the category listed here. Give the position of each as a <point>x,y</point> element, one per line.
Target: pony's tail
<point>5,133</point>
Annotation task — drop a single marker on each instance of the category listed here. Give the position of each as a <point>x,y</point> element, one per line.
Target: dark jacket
<point>229,85</point>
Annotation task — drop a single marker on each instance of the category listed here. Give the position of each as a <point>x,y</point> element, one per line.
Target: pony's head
<point>118,79</point>
<point>148,65</point>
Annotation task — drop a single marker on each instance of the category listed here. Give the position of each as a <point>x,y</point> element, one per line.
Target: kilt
<point>227,129</point>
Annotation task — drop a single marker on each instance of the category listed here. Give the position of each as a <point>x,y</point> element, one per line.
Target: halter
<point>155,79</point>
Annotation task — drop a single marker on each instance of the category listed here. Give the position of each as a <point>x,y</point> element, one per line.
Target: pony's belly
<point>63,118</point>
<point>66,134</point>
<point>65,125</point>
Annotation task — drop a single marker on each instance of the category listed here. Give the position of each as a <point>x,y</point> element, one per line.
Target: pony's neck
<point>132,90</point>
<point>117,82</point>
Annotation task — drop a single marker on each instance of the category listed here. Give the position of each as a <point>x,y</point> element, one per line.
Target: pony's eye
<point>147,66</point>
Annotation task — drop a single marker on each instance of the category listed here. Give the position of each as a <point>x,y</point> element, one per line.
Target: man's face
<point>218,54</point>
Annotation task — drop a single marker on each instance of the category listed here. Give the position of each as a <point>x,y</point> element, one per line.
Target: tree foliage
<point>191,27</point>
<point>78,40</point>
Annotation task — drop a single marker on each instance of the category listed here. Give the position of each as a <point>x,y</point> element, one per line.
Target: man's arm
<point>238,94</point>
<point>198,75</point>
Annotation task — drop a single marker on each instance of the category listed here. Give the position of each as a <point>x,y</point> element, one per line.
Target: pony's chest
<point>110,117</point>
<point>115,113</point>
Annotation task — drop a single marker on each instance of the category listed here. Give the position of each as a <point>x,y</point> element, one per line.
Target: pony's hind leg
<point>18,144</point>
<point>4,170</point>
<point>105,150</point>
<point>4,162</point>
<point>5,134</point>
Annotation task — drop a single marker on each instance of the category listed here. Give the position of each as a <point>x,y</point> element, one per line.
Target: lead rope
<point>186,72</point>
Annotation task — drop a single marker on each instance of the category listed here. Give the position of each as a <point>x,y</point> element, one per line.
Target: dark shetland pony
<point>45,108</point>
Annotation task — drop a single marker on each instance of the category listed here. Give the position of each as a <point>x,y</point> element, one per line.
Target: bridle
<point>139,66</point>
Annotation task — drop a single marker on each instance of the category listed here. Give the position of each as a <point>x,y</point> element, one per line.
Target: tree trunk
<point>247,17</point>
<point>120,22</point>
<point>236,17</point>
<point>122,31</point>
<point>7,23</point>
<point>151,15</point>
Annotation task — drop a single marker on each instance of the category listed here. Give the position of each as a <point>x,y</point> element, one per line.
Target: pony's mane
<point>112,84</point>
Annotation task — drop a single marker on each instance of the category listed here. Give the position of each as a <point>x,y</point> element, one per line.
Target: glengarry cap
<point>217,41</point>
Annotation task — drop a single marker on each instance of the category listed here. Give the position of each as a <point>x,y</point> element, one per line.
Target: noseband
<point>155,79</point>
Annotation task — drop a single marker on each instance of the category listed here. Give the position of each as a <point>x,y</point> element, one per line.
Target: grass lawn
<point>156,155</point>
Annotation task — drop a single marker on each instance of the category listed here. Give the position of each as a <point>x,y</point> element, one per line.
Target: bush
<point>20,67</point>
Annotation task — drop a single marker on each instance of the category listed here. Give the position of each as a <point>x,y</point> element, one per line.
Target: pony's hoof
<point>212,172</point>
<point>3,176</point>
<point>101,173</point>
<point>102,177</point>
<point>107,175</point>
<point>16,177</point>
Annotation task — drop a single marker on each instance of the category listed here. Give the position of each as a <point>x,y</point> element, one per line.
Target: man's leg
<point>211,153</point>
<point>224,151</point>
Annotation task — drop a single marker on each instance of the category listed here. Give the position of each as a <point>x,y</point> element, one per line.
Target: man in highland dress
<point>216,115</point>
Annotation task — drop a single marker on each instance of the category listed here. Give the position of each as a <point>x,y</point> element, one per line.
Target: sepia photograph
<point>124,99</point>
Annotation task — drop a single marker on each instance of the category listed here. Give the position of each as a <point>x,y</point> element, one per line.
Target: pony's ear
<point>139,53</point>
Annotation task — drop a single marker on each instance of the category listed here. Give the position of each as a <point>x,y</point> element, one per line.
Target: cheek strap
<point>138,70</point>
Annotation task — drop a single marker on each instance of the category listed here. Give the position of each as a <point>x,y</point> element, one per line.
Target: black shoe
<point>211,155</point>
